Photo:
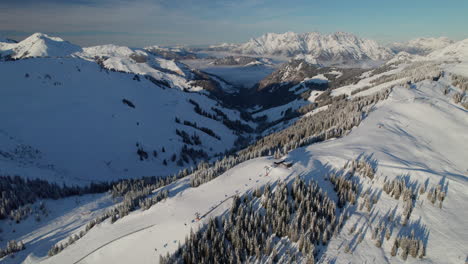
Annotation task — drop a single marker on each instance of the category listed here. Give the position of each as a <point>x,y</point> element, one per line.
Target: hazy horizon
<point>181,22</point>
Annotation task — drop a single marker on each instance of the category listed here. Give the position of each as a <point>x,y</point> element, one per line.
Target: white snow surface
<point>38,45</point>
<point>403,57</point>
<point>121,58</point>
<point>457,51</point>
<point>72,112</point>
<point>338,46</point>
<point>113,57</point>
<point>418,133</point>
<point>421,46</point>
<point>403,135</point>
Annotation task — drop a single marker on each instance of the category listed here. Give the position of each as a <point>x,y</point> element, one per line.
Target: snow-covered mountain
<point>175,53</point>
<point>339,47</point>
<point>373,170</point>
<point>107,110</point>
<point>298,78</point>
<point>421,46</point>
<point>223,47</point>
<point>241,61</point>
<point>456,51</point>
<point>149,63</point>
<point>167,72</point>
<point>38,45</point>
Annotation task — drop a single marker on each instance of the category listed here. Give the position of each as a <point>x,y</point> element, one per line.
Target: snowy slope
<point>458,51</point>
<point>65,216</point>
<point>336,47</point>
<point>403,67</point>
<point>397,134</point>
<point>121,58</point>
<point>117,58</point>
<point>38,45</point>
<point>403,136</point>
<point>171,53</point>
<point>421,46</point>
<point>73,113</point>
<point>417,134</point>
<point>453,57</point>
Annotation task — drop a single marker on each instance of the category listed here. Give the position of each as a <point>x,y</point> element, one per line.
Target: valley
<point>289,148</point>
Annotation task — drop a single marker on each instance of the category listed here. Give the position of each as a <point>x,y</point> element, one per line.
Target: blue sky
<point>169,22</point>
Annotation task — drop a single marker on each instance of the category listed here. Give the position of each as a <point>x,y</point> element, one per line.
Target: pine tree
<point>394,248</point>
<point>388,233</point>
<point>346,249</point>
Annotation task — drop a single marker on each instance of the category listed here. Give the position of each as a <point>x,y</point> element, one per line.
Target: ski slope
<point>402,134</point>
<point>62,104</point>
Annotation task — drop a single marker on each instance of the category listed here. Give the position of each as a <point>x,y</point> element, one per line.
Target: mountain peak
<point>338,47</point>
<point>39,45</point>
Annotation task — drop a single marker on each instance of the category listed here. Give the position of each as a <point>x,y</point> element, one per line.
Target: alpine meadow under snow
<point>289,148</point>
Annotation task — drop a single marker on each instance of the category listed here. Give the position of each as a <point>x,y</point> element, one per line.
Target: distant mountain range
<point>339,48</point>
<point>315,163</point>
<point>421,46</point>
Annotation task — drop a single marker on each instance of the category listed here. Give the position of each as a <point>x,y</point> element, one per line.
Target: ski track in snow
<point>396,134</point>
<point>416,133</point>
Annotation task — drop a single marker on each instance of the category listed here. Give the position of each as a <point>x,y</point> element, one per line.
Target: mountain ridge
<point>337,47</point>
<point>421,46</point>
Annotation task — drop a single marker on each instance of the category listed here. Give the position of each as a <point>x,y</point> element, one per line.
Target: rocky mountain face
<point>336,47</point>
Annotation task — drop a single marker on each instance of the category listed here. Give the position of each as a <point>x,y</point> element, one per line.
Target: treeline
<point>347,186</point>
<point>132,200</point>
<point>205,130</point>
<point>337,120</point>
<point>187,139</point>
<point>200,111</point>
<point>408,245</point>
<point>187,153</point>
<point>17,192</point>
<point>414,73</point>
<point>136,195</point>
<point>235,125</point>
<point>12,247</point>
<point>460,82</point>
<point>300,212</point>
